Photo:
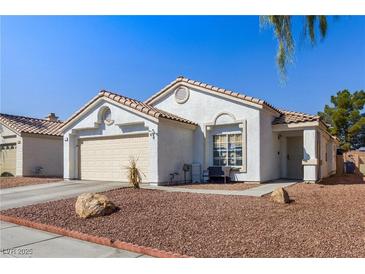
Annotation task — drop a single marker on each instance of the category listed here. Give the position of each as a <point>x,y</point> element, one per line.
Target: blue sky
<point>56,64</point>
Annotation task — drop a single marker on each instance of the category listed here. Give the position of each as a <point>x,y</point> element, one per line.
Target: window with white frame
<point>227,150</point>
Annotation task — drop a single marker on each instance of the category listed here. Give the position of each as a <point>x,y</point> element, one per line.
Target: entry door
<point>295,157</point>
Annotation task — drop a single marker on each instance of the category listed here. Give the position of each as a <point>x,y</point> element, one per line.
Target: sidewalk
<point>23,242</point>
<point>259,191</point>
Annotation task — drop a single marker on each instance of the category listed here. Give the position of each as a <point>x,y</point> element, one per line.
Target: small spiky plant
<point>134,174</point>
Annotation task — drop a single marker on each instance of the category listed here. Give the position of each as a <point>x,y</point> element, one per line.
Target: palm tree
<point>282,26</point>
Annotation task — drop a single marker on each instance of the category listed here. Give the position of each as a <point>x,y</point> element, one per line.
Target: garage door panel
<point>8,159</point>
<point>107,158</point>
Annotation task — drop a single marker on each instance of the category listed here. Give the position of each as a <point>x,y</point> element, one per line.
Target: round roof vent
<point>181,94</point>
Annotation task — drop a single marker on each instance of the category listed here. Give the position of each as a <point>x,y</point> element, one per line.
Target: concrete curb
<point>94,239</point>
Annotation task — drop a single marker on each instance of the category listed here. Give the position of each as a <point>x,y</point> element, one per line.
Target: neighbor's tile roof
<point>134,104</point>
<point>289,117</point>
<point>24,124</point>
<point>182,79</point>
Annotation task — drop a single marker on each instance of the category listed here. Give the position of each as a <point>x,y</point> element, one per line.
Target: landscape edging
<point>94,239</point>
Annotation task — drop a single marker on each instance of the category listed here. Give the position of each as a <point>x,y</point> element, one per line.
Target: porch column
<point>154,172</point>
<point>207,130</point>
<point>283,157</point>
<point>243,127</point>
<point>310,160</point>
<point>70,168</point>
<point>19,157</point>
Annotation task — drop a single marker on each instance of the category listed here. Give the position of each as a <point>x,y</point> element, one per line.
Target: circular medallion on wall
<point>181,94</point>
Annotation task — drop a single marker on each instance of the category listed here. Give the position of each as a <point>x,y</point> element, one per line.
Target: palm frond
<point>282,27</point>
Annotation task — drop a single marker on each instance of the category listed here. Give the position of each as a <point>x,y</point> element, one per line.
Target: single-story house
<point>197,124</point>
<point>30,146</point>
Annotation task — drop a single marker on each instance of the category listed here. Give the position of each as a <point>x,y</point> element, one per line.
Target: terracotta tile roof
<point>24,124</point>
<point>182,79</point>
<point>286,117</point>
<point>143,107</point>
<point>289,117</point>
<point>134,104</point>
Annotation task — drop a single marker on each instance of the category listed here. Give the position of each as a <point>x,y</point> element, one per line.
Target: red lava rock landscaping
<point>7,182</point>
<point>322,221</point>
<point>220,186</point>
<point>347,179</point>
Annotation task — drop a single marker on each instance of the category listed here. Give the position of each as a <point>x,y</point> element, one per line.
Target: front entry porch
<point>294,157</point>
<point>299,159</point>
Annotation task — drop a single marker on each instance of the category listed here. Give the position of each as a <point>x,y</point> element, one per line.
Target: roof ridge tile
<point>214,88</point>
<point>134,104</point>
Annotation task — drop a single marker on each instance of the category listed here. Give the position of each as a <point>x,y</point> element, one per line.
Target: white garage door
<point>106,159</point>
<point>8,159</point>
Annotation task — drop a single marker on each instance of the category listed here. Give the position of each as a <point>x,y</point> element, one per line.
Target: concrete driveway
<point>19,241</point>
<point>34,194</point>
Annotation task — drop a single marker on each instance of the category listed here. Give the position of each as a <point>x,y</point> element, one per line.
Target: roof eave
<point>72,118</point>
<point>148,114</point>
<point>26,133</point>
<point>13,129</point>
<point>182,123</point>
<point>212,89</point>
<point>294,125</point>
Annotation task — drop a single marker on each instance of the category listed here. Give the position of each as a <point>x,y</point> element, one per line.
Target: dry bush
<point>134,173</point>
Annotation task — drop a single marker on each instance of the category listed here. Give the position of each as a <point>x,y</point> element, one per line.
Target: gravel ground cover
<point>220,186</point>
<point>6,182</point>
<point>322,221</point>
<point>347,179</point>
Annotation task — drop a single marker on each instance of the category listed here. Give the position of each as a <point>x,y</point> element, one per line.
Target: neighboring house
<point>30,146</point>
<point>189,122</point>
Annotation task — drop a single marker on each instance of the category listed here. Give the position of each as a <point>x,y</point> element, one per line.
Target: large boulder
<point>93,205</point>
<point>280,195</point>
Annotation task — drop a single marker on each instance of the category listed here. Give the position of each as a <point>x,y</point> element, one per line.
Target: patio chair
<point>218,174</point>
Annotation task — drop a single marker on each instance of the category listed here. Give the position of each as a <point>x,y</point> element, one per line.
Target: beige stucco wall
<point>327,155</point>
<point>43,151</point>
<point>204,108</point>
<point>175,148</point>
<point>269,149</point>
